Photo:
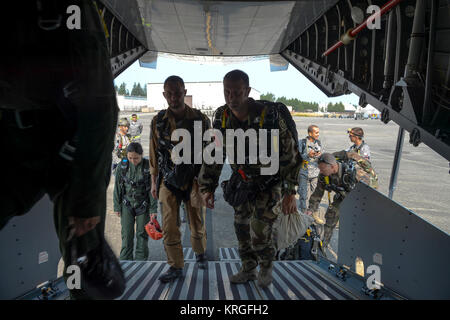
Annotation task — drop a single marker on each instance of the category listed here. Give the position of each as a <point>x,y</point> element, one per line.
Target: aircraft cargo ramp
<point>292,280</point>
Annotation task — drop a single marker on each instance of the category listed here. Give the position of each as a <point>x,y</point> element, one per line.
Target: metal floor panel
<point>189,254</point>
<point>292,280</point>
<point>228,254</point>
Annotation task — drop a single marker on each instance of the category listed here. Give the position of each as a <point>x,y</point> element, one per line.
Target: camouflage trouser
<point>253,226</point>
<point>332,218</point>
<point>306,187</point>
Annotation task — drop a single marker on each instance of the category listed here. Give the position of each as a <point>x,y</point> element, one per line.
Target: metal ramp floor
<point>292,280</point>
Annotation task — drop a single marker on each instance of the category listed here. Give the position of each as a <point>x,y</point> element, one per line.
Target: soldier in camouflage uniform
<point>339,176</point>
<point>122,141</point>
<point>254,217</point>
<point>356,135</point>
<point>310,150</point>
<point>136,128</point>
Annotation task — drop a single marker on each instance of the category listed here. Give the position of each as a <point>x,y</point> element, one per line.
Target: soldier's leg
<point>171,227</point>
<point>127,221</point>
<point>332,218</point>
<point>141,237</point>
<point>197,227</point>
<point>242,215</point>
<point>303,191</point>
<point>267,210</point>
<point>312,184</point>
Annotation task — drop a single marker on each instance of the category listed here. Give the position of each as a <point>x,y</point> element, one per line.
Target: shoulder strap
<point>304,143</point>
<point>220,118</point>
<point>123,171</point>
<point>161,124</point>
<point>278,109</point>
<point>319,143</point>
<point>146,173</point>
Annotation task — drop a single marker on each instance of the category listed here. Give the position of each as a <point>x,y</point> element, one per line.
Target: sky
<point>290,83</point>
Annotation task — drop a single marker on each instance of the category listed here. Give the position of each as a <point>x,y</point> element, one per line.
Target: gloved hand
<point>101,274</point>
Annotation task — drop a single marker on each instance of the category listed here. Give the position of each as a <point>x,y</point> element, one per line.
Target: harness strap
<point>327,182</point>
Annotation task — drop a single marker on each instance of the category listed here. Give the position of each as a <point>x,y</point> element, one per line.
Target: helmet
<point>358,132</point>
<point>153,229</point>
<point>124,122</point>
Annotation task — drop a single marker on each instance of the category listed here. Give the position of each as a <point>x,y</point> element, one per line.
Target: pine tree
<point>268,96</point>
<point>123,89</point>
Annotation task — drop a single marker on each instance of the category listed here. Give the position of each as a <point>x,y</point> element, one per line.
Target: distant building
<point>131,103</point>
<point>200,95</point>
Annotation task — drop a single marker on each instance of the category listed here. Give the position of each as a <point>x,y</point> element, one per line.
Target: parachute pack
<point>364,169</point>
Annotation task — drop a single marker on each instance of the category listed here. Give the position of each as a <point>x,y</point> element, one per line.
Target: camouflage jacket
<point>363,150</point>
<point>120,147</point>
<point>135,130</point>
<point>352,169</point>
<point>310,167</point>
<point>289,156</point>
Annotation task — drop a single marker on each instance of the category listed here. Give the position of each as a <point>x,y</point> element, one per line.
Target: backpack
<point>306,248</point>
<point>284,112</point>
<point>270,114</point>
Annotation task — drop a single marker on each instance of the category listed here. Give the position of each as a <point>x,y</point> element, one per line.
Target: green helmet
<point>124,122</point>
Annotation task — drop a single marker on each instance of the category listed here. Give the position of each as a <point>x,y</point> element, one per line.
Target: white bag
<point>288,228</point>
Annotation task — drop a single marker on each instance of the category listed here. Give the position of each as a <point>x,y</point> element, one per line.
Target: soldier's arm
<point>208,178</point>
<point>341,155</point>
<point>303,149</point>
<point>153,204</point>
<point>317,195</point>
<point>117,195</point>
<point>289,159</point>
<point>153,145</point>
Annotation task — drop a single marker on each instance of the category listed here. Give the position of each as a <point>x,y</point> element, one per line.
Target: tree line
<point>302,106</point>
<point>296,104</point>
<point>136,91</point>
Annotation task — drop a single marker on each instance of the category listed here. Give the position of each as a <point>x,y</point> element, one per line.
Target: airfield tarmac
<point>423,182</point>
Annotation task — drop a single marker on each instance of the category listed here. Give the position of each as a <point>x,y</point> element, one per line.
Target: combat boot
<point>317,218</point>
<point>265,277</point>
<point>171,274</point>
<point>243,277</point>
<point>202,260</point>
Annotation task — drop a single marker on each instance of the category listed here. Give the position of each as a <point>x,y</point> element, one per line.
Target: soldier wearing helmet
<point>356,135</point>
<point>122,141</point>
<point>339,172</point>
<point>133,202</point>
